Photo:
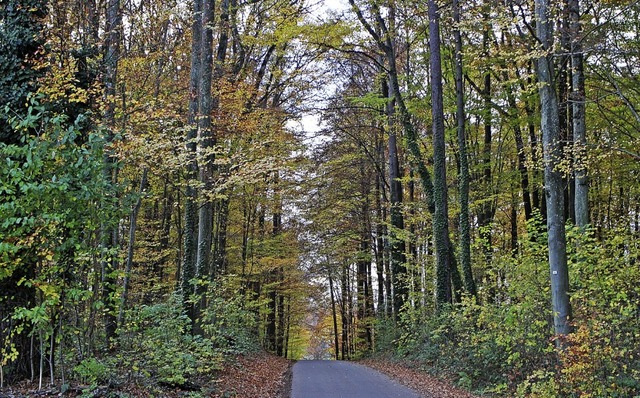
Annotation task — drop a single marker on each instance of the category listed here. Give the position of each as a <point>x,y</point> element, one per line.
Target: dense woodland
<point>450,183</point>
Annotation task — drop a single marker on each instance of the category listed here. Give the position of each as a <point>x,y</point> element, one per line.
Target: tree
<point>463,173</point>
<point>554,188</point>
<point>110,238</point>
<point>441,214</point>
<point>188,269</point>
<point>579,124</point>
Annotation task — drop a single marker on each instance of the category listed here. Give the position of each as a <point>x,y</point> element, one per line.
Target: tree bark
<point>463,176</point>
<point>364,266</point>
<point>581,205</point>
<point>552,176</point>
<point>440,219</point>
<point>334,316</point>
<point>110,232</point>
<point>206,143</point>
<point>487,209</point>
<point>188,269</point>
<point>397,244</point>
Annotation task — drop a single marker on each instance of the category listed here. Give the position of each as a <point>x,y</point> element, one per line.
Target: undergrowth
<point>505,346</point>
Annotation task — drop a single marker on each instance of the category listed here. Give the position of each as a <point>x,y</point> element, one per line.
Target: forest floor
<point>420,381</point>
<point>259,375</point>
<point>255,375</point>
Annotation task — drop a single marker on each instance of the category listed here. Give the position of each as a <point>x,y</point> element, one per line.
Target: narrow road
<point>339,379</point>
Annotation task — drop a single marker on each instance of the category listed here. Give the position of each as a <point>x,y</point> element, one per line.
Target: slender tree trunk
<point>398,267</point>
<point>288,328</point>
<point>133,218</point>
<point>522,159</point>
<point>487,209</point>
<point>538,201</point>
<point>220,252</point>
<point>344,313</point>
<point>381,238</point>
<point>379,248</point>
<point>579,124</point>
<point>206,142</point>
<point>363,266</point>
<point>335,317</point>
<point>271,320</point>
<point>281,326</point>
<point>513,220</point>
<point>553,178</point>
<point>110,232</point>
<point>463,177</point>
<point>565,111</point>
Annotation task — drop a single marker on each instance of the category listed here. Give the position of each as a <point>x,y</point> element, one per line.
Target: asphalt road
<point>339,379</point>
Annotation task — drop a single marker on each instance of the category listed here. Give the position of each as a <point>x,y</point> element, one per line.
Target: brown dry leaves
<point>260,375</point>
<point>420,381</point>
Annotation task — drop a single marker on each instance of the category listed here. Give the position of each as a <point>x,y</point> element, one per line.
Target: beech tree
<point>554,189</point>
<point>579,118</point>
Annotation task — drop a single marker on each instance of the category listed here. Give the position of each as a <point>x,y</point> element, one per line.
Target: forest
<point>449,184</point>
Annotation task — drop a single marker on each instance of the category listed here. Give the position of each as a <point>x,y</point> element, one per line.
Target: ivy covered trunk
<point>441,215</point>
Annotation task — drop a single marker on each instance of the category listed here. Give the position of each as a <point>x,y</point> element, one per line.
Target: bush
<point>229,324</point>
<point>506,347</point>
<point>157,344</point>
<point>91,371</point>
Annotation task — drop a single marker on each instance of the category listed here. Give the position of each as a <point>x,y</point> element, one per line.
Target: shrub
<point>157,344</point>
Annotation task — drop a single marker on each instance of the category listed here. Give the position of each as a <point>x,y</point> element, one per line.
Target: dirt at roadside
<point>260,375</point>
<point>422,382</point>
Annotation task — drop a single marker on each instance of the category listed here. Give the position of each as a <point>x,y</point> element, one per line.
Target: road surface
<point>339,379</point>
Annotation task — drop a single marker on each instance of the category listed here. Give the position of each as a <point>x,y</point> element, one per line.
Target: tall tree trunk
<point>463,177</point>
<point>270,336</point>
<point>280,333</point>
<point>206,142</point>
<point>397,245</point>
<point>538,201</point>
<point>579,125</point>
<point>381,230</point>
<point>344,312</point>
<point>565,112</point>
<point>363,265</point>
<point>274,316</point>
<point>522,159</point>
<point>188,269</point>
<point>167,210</point>
<point>220,252</point>
<point>336,343</point>
<point>379,246</point>
<point>487,209</point>
<point>110,232</point>
<point>553,178</point>
<point>441,218</point>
